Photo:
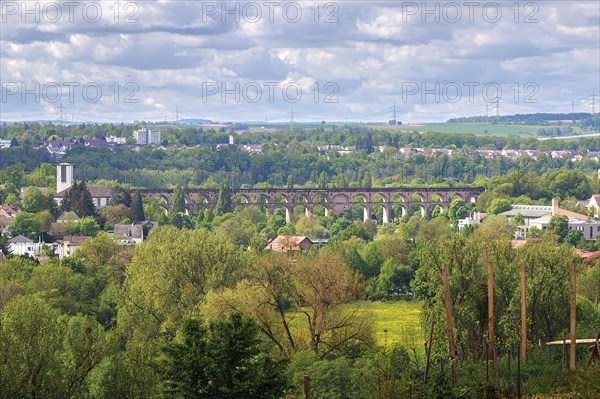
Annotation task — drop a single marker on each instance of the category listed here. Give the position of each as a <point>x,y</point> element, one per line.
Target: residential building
<point>589,228</point>
<point>290,244</point>
<point>476,218</point>
<point>58,148</point>
<point>147,136</point>
<point>594,204</point>
<point>68,217</point>
<point>68,245</point>
<point>129,234</point>
<point>7,213</point>
<point>21,245</point>
<point>539,216</point>
<point>4,143</point>
<point>147,225</point>
<point>116,140</point>
<point>529,212</point>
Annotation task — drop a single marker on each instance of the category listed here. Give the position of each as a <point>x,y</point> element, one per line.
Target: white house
<point>477,218</point>
<point>21,245</point>
<point>129,234</point>
<point>594,203</point>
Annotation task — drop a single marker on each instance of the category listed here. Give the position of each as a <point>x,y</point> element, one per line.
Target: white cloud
<point>176,47</point>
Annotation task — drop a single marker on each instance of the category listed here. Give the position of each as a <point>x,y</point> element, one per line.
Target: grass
<point>393,322</point>
<point>479,129</point>
<point>396,322</point>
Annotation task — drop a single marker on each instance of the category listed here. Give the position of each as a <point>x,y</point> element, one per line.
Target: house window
<point>63,173</point>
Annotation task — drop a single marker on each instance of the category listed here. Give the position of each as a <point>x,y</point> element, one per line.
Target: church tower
<point>64,176</point>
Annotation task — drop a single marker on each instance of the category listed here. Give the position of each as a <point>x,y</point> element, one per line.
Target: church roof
<point>95,191</point>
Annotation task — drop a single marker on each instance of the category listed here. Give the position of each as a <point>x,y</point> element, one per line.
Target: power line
<point>593,101</point>
<point>292,113</point>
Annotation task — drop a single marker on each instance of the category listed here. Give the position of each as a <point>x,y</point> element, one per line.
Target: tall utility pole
<point>292,113</point>
<point>395,108</point>
<point>61,109</point>
<point>177,114</point>
<point>498,106</point>
<point>593,101</point>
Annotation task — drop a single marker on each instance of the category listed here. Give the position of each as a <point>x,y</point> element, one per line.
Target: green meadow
<point>480,129</point>
<point>396,322</point>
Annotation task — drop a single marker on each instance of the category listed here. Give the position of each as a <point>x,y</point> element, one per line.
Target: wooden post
<point>523,314</point>
<point>492,347</point>
<point>564,354</point>
<point>518,373</point>
<point>306,387</point>
<point>428,353</point>
<point>487,364</point>
<point>573,317</point>
<point>449,324</point>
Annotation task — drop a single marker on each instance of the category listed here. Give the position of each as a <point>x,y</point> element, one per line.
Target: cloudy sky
<point>335,61</point>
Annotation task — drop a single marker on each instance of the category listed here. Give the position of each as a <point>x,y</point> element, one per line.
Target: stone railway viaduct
<point>332,199</point>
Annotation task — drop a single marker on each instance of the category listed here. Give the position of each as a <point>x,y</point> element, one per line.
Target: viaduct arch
<point>333,199</point>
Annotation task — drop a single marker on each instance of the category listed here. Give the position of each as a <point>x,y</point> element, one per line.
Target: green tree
<point>310,226</point>
<point>137,210</point>
<point>26,224</point>
<point>30,334</point>
<point>518,220</point>
<point>171,272</point>
<point>573,237</point>
<point>79,200</point>
<point>178,205</point>
<point>367,181</point>
<point>559,225</point>
<point>499,205</point>
<point>121,195</point>
<point>87,226</point>
<point>224,361</point>
<point>322,183</point>
<point>393,277</point>
<point>223,199</point>
<point>33,200</point>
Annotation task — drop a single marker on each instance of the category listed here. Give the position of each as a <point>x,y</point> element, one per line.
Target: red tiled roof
<point>281,241</point>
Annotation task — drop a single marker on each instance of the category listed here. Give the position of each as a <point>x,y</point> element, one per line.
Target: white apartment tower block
<point>147,136</point>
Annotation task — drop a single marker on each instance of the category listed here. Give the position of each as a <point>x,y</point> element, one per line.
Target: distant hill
<point>525,119</point>
<point>196,121</point>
